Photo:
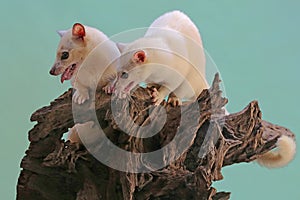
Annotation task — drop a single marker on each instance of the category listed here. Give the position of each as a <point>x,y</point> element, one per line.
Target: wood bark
<point>57,169</point>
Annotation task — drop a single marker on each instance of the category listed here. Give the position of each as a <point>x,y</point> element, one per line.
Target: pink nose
<point>52,71</point>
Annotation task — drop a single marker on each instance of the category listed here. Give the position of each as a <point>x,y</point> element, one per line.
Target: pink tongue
<point>67,75</point>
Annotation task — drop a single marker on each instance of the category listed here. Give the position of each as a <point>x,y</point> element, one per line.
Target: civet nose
<point>52,71</point>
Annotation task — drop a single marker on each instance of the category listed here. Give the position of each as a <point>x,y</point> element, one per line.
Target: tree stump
<point>57,169</point>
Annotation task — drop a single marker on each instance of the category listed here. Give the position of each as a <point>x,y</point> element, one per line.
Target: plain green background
<point>254,43</point>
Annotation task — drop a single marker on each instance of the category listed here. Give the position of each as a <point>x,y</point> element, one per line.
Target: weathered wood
<point>56,169</point>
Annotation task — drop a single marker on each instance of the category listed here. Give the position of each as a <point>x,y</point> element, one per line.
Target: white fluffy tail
<point>282,156</point>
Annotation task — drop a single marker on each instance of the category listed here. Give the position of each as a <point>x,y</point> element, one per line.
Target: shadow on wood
<point>55,169</point>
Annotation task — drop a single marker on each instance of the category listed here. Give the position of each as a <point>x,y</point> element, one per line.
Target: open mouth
<point>129,87</point>
<point>68,73</point>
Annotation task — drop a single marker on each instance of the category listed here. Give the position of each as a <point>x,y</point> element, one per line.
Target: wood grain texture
<point>56,169</point>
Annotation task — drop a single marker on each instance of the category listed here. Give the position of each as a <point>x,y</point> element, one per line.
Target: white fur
<point>61,33</point>
<point>175,58</point>
<point>97,69</point>
<point>282,156</point>
<point>176,20</point>
<point>92,55</point>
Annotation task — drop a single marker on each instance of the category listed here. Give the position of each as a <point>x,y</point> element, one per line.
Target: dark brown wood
<point>56,169</point>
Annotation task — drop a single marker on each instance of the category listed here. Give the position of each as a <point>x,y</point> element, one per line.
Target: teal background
<point>254,43</point>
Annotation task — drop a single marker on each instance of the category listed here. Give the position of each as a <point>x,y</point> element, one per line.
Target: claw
<point>80,98</point>
<point>107,89</point>
<point>174,101</point>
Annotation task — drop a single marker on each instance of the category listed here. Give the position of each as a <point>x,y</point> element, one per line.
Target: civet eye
<point>124,75</point>
<point>64,55</point>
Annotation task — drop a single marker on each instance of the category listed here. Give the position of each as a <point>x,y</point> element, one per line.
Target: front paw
<point>80,97</point>
<point>174,101</point>
<point>108,89</point>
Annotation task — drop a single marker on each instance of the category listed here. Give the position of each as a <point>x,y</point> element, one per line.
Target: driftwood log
<point>57,169</point>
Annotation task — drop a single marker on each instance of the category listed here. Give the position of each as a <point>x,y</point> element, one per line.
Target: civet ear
<point>139,57</point>
<point>61,32</point>
<point>78,30</point>
<point>121,46</point>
